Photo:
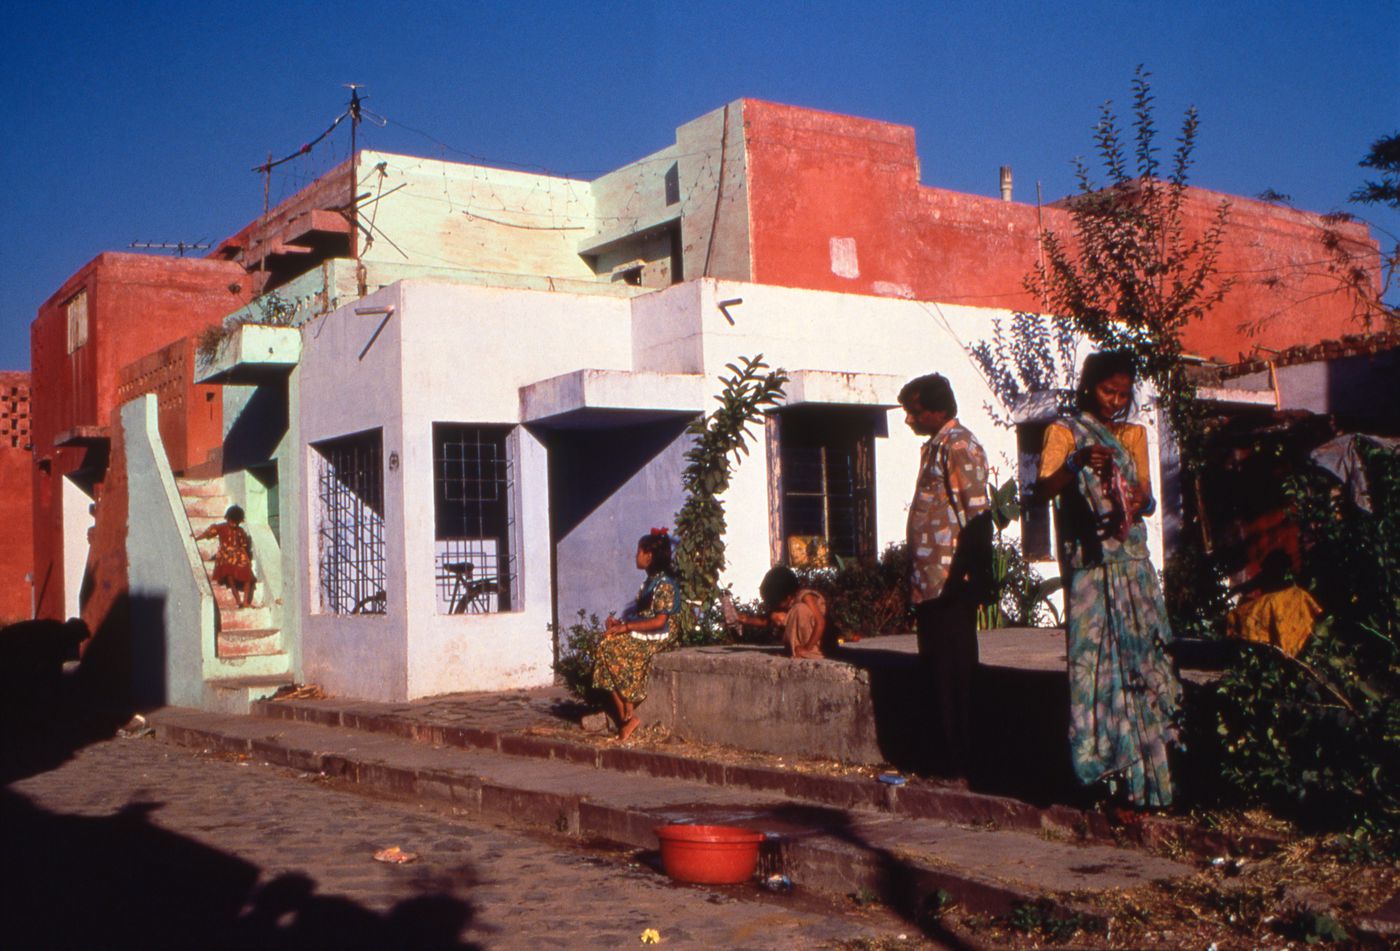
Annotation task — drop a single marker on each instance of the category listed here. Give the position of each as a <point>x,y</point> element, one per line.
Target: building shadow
<point>916,894</point>
<point>1020,724</point>
<point>119,881</point>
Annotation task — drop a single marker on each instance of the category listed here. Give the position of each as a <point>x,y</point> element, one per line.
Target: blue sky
<point>141,121</point>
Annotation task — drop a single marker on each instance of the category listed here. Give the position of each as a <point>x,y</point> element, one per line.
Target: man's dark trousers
<point>947,627</point>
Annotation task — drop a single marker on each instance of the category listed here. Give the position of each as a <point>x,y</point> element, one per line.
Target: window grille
<point>350,528</point>
<point>827,478</point>
<point>473,498</point>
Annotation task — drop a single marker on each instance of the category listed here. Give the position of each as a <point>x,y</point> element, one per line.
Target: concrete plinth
<point>867,704</point>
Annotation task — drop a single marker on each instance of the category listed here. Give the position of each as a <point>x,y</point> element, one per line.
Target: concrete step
<point>206,506</point>
<point>836,851</point>
<point>200,487</point>
<point>234,696</point>
<point>475,722</point>
<point>252,642</point>
<point>232,617</point>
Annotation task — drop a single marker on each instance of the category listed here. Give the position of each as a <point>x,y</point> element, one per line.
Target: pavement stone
<point>823,848</point>
<point>134,843</point>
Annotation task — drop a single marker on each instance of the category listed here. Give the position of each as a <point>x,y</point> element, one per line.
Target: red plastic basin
<point>708,855</point>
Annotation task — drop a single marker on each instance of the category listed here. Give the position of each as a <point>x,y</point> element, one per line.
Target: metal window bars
<point>474,486</point>
<point>350,526</point>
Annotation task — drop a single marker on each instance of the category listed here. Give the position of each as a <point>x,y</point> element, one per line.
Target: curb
<point>818,863</point>
<point>912,802</point>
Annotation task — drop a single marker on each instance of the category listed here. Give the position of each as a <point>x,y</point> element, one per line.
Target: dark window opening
<point>473,490</point>
<point>1035,519</point>
<point>826,479</point>
<point>672,184</point>
<point>350,524</point>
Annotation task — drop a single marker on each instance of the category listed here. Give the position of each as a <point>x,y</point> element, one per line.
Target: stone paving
<point>133,843</point>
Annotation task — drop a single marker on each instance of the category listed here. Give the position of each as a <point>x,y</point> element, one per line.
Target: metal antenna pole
<point>355,110</point>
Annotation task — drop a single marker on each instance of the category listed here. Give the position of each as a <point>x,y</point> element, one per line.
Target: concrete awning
<point>589,398</point>
<point>875,390</point>
<point>83,436</point>
<point>1237,395</point>
<point>643,227</point>
<point>253,355</point>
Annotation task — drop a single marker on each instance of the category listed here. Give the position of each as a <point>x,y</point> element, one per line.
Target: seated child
<point>801,612</point>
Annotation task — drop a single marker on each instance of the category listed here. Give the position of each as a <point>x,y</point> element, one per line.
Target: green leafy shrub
<point>1024,597</point>
<point>866,597</point>
<point>575,664</point>
<point>1317,737</point>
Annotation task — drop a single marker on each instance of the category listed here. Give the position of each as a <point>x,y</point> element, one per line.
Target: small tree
<point>1354,264</point>
<point>700,523</point>
<point>1131,277</point>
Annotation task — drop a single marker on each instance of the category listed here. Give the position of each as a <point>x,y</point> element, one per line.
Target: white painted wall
<point>346,384</point>
<point>172,607</point>
<point>77,523</point>
<point>467,352</point>
<point>461,353</point>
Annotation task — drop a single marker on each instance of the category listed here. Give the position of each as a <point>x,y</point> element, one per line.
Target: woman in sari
<point>1124,693</point>
<point>622,659</point>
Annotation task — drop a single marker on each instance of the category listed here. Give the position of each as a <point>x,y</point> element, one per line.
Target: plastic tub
<point>709,855</point>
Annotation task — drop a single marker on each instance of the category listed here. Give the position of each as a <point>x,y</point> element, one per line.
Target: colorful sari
<point>1124,693</point>
<point>623,662</point>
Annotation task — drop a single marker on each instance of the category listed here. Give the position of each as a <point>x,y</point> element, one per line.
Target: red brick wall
<point>190,415</point>
<point>136,304</point>
<point>816,176</point>
<point>16,497</point>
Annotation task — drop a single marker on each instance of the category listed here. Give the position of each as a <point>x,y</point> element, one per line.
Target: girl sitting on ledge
<point>622,659</point>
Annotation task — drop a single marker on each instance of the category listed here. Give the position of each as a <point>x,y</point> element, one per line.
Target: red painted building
<point>116,309</point>
<point>835,204</point>
<point>16,497</point>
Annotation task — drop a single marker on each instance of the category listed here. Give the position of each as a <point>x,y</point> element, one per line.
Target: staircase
<point>249,662</point>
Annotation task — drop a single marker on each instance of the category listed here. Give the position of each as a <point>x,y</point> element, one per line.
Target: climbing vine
<point>721,442</point>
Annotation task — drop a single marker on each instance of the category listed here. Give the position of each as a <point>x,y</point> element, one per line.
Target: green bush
<point>575,664</point>
<point>867,597</point>
<point>1024,597</point>
<point>1318,737</point>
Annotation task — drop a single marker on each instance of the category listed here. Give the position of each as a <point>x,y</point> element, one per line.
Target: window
<point>1035,519</point>
<point>473,493</point>
<point>825,479</point>
<point>350,524</point>
<point>77,320</point>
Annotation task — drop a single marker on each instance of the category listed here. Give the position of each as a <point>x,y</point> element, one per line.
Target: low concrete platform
<point>866,703</point>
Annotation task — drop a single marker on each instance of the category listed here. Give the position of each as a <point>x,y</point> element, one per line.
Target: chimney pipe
<point>1006,183</point>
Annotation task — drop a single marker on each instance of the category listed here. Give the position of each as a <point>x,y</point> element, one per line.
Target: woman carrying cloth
<point>622,659</point>
<point>1124,693</point>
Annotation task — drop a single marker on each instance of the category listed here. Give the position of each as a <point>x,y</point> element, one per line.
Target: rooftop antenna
<point>355,111</point>
<point>179,247</point>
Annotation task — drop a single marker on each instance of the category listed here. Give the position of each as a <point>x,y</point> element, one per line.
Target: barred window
<point>473,504</point>
<point>350,524</point>
<point>826,479</point>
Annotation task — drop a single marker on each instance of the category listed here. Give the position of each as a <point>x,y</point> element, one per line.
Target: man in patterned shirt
<point>950,546</point>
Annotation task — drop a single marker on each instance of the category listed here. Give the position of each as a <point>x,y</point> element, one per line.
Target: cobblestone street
<point>133,843</point>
